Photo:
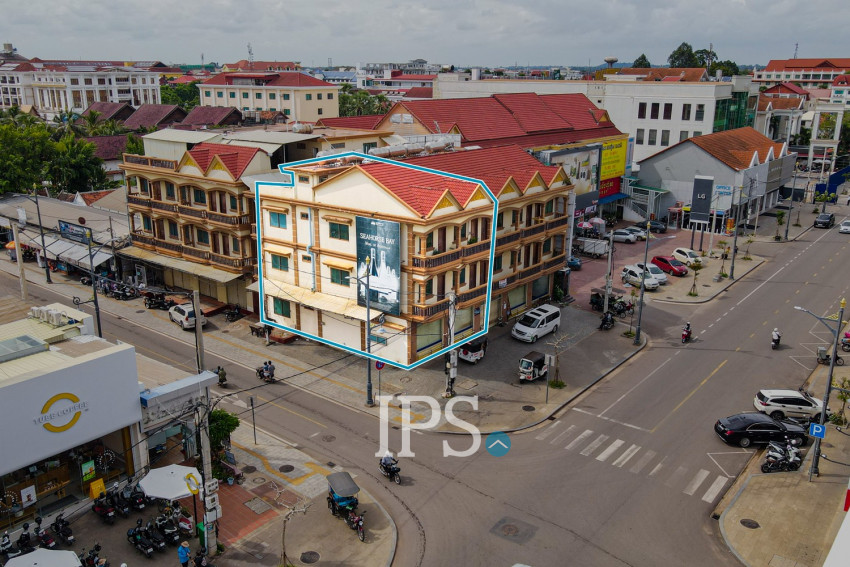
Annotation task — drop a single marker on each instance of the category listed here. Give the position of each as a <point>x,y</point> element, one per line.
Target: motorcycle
<point>781,458</point>
<point>261,374</point>
<point>168,529</point>
<point>115,499</point>
<point>200,559</point>
<point>102,509</point>
<point>138,498</point>
<point>825,358</point>
<point>7,548</point>
<point>159,302</point>
<point>355,521</point>
<point>93,558</point>
<point>232,314</point>
<point>390,472</point>
<point>623,308</point>
<point>222,376</point>
<point>62,529</point>
<point>686,335</point>
<point>25,541</point>
<point>597,302</point>
<point>45,540</point>
<point>607,322</point>
<point>184,524</point>
<point>137,538</point>
<point>774,342</point>
<point>155,536</point>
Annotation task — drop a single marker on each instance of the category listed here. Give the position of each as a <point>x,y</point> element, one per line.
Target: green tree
<point>75,168</point>
<point>107,128</point>
<point>683,57</point>
<point>185,95</point>
<point>703,56</point>
<point>222,424</point>
<point>641,62</point>
<point>23,152</point>
<point>360,102</point>
<point>135,145</point>
<point>90,121</point>
<point>65,123</point>
<point>729,68</point>
<point>15,117</point>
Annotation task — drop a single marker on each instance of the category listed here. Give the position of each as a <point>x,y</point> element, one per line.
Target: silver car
<point>844,228</point>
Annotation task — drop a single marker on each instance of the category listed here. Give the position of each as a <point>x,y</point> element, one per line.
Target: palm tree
<point>91,119</point>
<point>75,167</point>
<point>20,119</point>
<point>108,128</point>
<point>66,123</point>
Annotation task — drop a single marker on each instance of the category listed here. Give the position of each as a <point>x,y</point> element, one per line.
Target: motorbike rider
<point>265,371</point>
<point>687,329</point>
<point>270,369</point>
<point>222,376</point>
<point>775,335</point>
<point>607,318</point>
<point>388,460</point>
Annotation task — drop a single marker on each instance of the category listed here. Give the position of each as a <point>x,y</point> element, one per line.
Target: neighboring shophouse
<point>299,96</point>
<point>310,239</point>
<point>251,66</point>
<point>748,170</point>
<point>807,73</point>
<point>656,113</point>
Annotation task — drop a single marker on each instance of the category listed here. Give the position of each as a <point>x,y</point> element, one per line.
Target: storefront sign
<point>160,412</point>
<point>87,470</point>
<point>378,247</point>
<point>614,159</point>
<point>175,401</point>
<point>28,496</point>
<point>74,232</point>
<point>57,416</point>
<point>701,199</point>
<point>610,186</point>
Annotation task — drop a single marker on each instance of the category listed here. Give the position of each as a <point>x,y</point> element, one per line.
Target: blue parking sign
<point>817,430</point>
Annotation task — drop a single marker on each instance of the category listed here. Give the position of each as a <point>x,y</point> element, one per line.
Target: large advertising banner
<point>380,242</point>
<point>614,159</point>
<point>701,200</point>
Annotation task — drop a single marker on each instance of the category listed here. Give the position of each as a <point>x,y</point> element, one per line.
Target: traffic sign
<point>817,430</point>
<point>379,364</point>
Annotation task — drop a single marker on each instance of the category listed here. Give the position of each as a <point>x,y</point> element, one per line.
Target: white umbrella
<point>597,220</point>
<point>46,558</point>
<point>584,225</point>
<point>171,482</point>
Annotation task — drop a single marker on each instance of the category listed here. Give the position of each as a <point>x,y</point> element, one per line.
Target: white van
<point>536,323</point>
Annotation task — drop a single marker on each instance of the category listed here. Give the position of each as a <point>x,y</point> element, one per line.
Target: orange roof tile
<point>234,158</point>
<point>789,64</point>
<point>735,148</point>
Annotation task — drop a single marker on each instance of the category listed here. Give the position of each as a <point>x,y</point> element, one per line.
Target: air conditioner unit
<point>211,502</point>
<point>42,313</point>
<point>34,312</point>
<point>56,318</point>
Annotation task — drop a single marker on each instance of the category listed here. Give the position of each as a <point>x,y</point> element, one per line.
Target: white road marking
<point>644,460</point>
<point>624,458</point>
<point>561,434</point>
<point>629,391</point>
<point>548,430</point>
<point>594,445</point>
<point>658,467</point>
<point>623,423</point>
<point>676,476</point>
<point>603,456</point>
<point>579,440</point>
<point>695,482</point>
<point>239,404</point>
<point>313,435</point>
<point>711,456</point>
<point>714,489</point>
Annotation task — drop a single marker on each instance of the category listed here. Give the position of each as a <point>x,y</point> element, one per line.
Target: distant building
<point>808,73</point>
<point>249,66</point>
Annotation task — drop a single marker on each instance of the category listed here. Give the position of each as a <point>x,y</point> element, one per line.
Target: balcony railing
<point>169,207</point>
<point>436,260</point>
<point>532,230</point>
<point>140,238</point>
<point>232,220</point>
<point>139,201</point>
<point>190,212</point>
<point>475,249</point>
<point>231,261</point>
<point>507,239</point>
<point>151,162</point>
<point>429,310</point>
<point>472,294</point>
<point>557,222</point>
<point>196,253</point>
<point>144,239</point>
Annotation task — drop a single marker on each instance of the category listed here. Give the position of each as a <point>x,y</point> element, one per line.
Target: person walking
<point>184,554</point>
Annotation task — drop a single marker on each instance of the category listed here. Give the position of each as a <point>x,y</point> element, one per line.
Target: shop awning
<point>61,249</point>
<point>612,198</point>
<point>648,188</point>
<point>323,301</point>
<point>200,270</point>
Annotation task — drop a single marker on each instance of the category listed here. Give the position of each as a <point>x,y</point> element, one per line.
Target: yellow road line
<point>314,468</point>
<point>688,397</point>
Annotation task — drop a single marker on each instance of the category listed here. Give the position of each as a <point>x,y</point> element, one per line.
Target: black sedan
<point>654,226</point>
<point>745,429</point>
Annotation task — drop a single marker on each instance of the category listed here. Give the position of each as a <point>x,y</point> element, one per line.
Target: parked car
<point>655,272</point>
<point>825,220</point>
<point>574,263</point>
<point>654,226</point>
<point>687,256</point>
<point>639,233</point>
<point>780,404</point>
<point>184,315</point>
<point>536,323</point>
<point>744,429</point>
<point>632,275</point>
<point>845,227</point>
<point>670,265</point>
<point>622,235</point>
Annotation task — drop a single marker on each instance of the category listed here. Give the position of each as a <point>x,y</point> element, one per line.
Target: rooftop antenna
<point>202,61</point>
<point>250,58</point>
<point>796,45</point>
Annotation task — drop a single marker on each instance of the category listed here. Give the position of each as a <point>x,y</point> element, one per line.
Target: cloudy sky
<point>461,32</point>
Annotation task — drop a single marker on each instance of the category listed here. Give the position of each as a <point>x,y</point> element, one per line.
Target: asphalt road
<point>628,476</point>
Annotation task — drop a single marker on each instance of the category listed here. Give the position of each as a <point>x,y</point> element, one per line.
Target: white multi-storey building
<point>808,73</point>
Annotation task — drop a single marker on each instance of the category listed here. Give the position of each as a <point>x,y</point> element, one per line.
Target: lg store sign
<point>61,412</point>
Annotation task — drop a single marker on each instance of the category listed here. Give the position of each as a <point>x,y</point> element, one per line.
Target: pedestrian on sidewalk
<point>184,554</point>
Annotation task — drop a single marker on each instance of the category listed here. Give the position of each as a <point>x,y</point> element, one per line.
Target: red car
<point>670,265</point>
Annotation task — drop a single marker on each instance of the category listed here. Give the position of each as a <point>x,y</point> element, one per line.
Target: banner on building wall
<point>380,242</point>
<point>614,159</point>
<point>580,164</point>
<point>610,187</point>
<point>701,199</point>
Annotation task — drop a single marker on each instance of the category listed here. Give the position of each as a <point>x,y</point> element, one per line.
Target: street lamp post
<point>369,400</point>
<point>793,189</point>
<point>735,235</point>
<point>642,283</point>
<point>835,332</point>
<point>43,247</point>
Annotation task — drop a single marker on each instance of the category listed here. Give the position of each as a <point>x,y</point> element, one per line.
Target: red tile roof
<point>184,79</point>
<point>108,147</point>
<point>283,79</point>
<point>110,110</point>
<point>787,88</point>
<point>212,116</point>
<point>149,115</point>
<point>494,166</point>
<point>801,64</point>
<point>419,92</point>
<point>777,103</point>
<point>419,190</point>
<point>841,81</point>
<point>94,196</point>
<point>364,122</point>
<point>688,74</point>
<point>532,113</point>
<point>245,65</point>
<point>735,148</point>
<point>234,158</point>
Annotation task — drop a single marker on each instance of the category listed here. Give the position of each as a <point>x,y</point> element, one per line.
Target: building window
<point>461,276</point>
<point>696,134</point>
<point>207,93</point>
<point>199,197</point>
<point>639,136</point>
<point>683,135</point>
<point>286,112</point>
<point>308,96</point>
<point>219,94</point>
<point>500,220</point>
<point>244,95</point>
<point>303,178</point>
<point>258,96</point>
<point>550,206</point>
<point>285,96</point>
<point>429,240</point>
<point>272,96</point>
<point>547,245</point>
<point>514,217</point>
<point>686,112</point>
<point>232,95</point>
<point>281,307</point>
<point>429,288</point>
<point>700,112</point>
<point>277,220</point>
<point>641,110</point>
<point>368,146</point>
<point>144,186</point>
<point>203,237</point>
<point>653,134</point>
<point>233,204</point>
<point>319,96</point>
<point>653,110</point>
<point>665,137</point>
<point>330,96</point>
<point>668,111</point>
<point>234,245</point>
<point>319,111</point>
<point>280,263</point>
<point>339,277</point>
<point>305,216</point>
<point>146,222</point>
<point>169,191</point>
<point>339,231</point>
<point>172,230</point>
<point>306,258</point>
<point>497,263</point>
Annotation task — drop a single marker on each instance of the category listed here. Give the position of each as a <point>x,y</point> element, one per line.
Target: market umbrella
<point>169,482</point>
<point>597,220</point>
<point>46,558</point>
<point>10,245</point>
<point>584,225</point>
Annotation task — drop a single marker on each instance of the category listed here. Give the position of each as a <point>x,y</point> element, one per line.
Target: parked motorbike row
<point>40,537</point>
<point>617,305</point>
<point>781,458</point>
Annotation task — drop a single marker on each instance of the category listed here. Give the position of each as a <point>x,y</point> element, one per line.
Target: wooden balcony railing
<point>437,259</point>
<point>191,212</point>
<point>231,261</point>
<point>168,207</point>
<point>429,310</point>
<point>139,201</point>
<point>196,253</point>
<point>472,294</point>
<point>231,220</point>
<point>151,162</point>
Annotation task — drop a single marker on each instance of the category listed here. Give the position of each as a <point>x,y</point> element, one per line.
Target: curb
<point>723,516</point>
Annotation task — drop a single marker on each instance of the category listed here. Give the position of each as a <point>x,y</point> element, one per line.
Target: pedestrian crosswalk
<point>621,452</point>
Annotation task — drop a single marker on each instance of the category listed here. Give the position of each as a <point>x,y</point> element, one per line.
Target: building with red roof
<point>310,256</point>
<point>299,96</point>
<point>807,72</point>
<point>154,116</point>
<point>250,66</point>
<point>212,117</point>
<point>110,149</point>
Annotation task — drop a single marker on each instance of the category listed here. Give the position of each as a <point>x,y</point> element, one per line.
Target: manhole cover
<point>752,524</point>
<point>249,469</point>
<point>509,530</point>
<point>528,408</point>
<point>286,468</point>
<point>259,480</point>
<point>309,557</point>
<point>513,530</point>
<point>328,438</point>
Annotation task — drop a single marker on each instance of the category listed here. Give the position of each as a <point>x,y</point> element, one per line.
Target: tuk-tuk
<point>474,350</point>
<point>532,365</point>
<point>342,493</point>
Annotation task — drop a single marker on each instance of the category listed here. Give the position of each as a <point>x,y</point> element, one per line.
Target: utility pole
<point>94,285</point>
<point>199,330</point>
<point>451,363</point>
<point>369,400</point>
<point>43,247</point>
<point>608,283</point>
<point>210,541</point>
<point>793,189</point>
<point>642,283</point>
<point>21,275</point>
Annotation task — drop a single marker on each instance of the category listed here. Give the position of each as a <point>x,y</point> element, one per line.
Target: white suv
<point>780,404</point>
<point>655,272</point>
<point>632,275</point>
<point>184,315</point>
<point>687,256</point>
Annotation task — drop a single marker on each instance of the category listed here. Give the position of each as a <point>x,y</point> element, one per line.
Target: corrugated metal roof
<point>199,270</point>
<point>54,210</point>
<point>268,137</point>
<point>188,136</point>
